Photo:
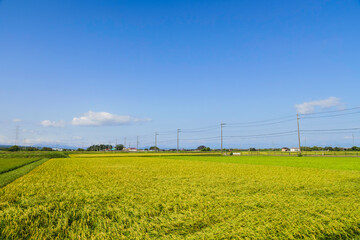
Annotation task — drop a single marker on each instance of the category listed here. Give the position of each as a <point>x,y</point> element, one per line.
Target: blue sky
<point>163,65</point>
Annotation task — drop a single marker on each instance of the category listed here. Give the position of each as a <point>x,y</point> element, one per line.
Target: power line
<point>266,136</point>
<point>205,138</point>
<point>264,124</point>
<point>326,133</point>
<point>334,115</point>
<point>204,129</point>
<point>263,135</point>
<point>263,121</point>
<point>332,111</point>
<point>334,129</point>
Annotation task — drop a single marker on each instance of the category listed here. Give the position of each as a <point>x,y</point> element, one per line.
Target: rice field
<point>15,165</point>
<point>177,197</point>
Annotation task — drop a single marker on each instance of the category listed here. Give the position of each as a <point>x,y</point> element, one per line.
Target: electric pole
<point>124,142</point>
<point>178,131</point>
<point>156,134</point>
<point>17,135</point>
<point>137,143</point>
<point>221,127</point>
<point>298,127</point>
<point>353,138</point>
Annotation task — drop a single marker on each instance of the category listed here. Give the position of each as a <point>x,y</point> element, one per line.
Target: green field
<point>305,153</point>
<point>8,164</point>
<point>35,154</point>
<point>192,197</point>
<point>336,163</point>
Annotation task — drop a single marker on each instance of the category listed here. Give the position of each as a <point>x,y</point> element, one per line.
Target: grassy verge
<point>9,164</point>
<point>8,177</point>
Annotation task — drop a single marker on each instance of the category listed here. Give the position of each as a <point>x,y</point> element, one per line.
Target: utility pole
<point>124,142</point>
<point>221,126</point>
<point>156,134</point>
<point>137,143</point>
<point>17,135</point>
<point>298,127</point>
<point>353,138</point>
<point>178,132</point>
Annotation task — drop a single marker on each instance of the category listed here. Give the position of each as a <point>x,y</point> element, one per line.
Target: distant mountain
<point>40,145</point>
<point>5,146</point>
<point>55,146</point>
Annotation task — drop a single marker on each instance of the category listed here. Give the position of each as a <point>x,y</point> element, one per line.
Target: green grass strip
<point>11,176</point>
<point>10,164</point>
<point>334,163</point>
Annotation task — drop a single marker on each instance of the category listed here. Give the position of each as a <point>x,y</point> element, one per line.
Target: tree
<point>14,148</point>
<point>119,147</point>
<point>201,147</point>
<point>316,148</point>
<point>100,147</point>
<point>31,149</point>
<point>80,149</point>
<point>46,149</point>
<point>154,148</point>
<point>206,149</point>
<point>355,148</point>
<point>328,149</point>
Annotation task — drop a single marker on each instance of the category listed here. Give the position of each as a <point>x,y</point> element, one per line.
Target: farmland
<point>98,196</point>
<point>15,165</point>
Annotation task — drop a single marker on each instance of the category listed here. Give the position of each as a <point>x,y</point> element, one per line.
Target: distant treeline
<point>16,148</point>
<point>119,147</point>
<point>315,148</point>
<point>103,147</point>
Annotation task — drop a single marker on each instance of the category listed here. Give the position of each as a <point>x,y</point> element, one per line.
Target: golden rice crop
<point>138,197</point>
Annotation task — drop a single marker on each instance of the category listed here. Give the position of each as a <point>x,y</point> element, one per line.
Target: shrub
<point>14,148</point>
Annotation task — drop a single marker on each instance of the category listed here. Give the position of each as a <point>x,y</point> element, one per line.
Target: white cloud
<point>309,107</point>
<point>48,123</point>
<point>104,119</point>
<point>15,120</point>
